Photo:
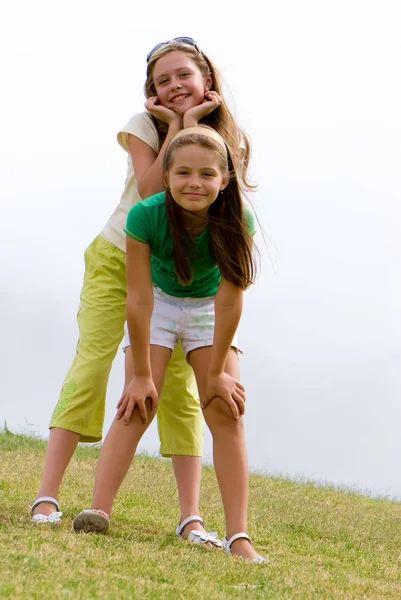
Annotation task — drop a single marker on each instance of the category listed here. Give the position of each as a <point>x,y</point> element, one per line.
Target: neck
<point>194,220</point>
<point>198,226</point>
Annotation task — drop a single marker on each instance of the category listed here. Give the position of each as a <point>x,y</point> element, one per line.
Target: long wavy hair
<point>230,239</point>
<point>221,119</point>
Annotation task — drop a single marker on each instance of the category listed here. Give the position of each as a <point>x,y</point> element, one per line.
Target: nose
<point>194,183</point>
<point>175,84</point>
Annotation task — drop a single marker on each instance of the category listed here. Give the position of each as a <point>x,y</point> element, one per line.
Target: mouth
<point>194,195</point>
<point>179,98</point>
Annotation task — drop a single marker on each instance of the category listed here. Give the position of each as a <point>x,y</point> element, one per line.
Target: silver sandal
<point>55,517</point>
<point>227,547</point>
<point>198,537</point>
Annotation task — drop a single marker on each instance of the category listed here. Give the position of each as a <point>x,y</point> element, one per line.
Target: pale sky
<point>317,87</point>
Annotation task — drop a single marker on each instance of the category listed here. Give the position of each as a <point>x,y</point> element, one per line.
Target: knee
<point>218,415</point>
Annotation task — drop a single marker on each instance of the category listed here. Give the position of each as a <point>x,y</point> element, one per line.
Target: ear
<point>225,182</point>
<point>165,181</point>
<point>208,82</point>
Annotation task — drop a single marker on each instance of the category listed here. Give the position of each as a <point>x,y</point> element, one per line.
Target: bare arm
<point>147,164</point>
<point>139,313</point>
<point>228,309</point>
<point>139,304</point>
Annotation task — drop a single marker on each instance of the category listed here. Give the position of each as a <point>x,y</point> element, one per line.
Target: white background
<point>317,87</point>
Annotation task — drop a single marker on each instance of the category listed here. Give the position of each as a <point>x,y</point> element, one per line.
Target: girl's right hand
<point>157,110</point>
<point>138,390</point>
<point>222,385</point>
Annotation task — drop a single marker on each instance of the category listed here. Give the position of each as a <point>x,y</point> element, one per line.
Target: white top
<point>142,126</point>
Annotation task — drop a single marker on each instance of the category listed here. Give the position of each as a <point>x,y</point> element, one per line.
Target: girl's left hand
<point>229,389</point>
<point>193,115</point>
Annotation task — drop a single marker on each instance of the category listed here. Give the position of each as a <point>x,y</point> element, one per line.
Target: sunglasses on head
<point>185,40</point>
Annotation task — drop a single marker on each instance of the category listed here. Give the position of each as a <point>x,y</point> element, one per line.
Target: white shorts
<point>190,320</point>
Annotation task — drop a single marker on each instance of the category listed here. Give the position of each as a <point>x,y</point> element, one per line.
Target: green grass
<point>322,543</point>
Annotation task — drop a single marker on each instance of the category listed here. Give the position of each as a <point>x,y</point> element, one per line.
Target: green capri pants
<point>101,317</point>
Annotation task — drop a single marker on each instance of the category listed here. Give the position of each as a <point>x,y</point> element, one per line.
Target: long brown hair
<point>221,119</point>
<point>230,238</point>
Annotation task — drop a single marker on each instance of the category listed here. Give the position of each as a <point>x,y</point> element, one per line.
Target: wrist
<point>175,125</point>
<point>144,373</point>
<point>214,371</point>
<point>189,121</point>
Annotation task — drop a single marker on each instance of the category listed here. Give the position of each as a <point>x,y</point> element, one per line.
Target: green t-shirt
<point>147,222</point>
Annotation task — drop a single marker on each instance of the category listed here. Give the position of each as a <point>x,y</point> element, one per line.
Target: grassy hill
<point>322,543</point>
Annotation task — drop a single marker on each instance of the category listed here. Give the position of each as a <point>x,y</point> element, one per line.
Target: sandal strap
<point>185,522</point>
<point>53,518</point>
<point>238,536</point>
<point>199,537</point>
<point>97,511</point>
<point>45,499</point>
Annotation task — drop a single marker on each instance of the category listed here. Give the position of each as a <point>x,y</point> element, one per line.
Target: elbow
<point>141,190</point>
<point>139,305</point>
<point>146,190</point>
<point>230,302</point>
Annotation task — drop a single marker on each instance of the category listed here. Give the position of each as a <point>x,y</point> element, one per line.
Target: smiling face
<point>178,82</point>
<point>195,179</point>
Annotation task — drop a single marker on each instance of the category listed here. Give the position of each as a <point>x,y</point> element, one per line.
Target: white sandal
<point>198,537</point>
<point>227,547</point>
<point>55,517</point>
<point>91,521</point>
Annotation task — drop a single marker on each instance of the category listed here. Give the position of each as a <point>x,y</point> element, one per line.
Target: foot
<point>240,545</point>
<point>91,521</point>
<point>243,548</point>
<point>189,532</point>
<point>44,508</point>
<point>197,527</point>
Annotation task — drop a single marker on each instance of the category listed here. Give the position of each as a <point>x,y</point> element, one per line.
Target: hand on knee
<point>219,414</point>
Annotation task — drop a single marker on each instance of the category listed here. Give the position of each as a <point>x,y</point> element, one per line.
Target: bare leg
<point>122,440</point>
<point>187,470</point>
<point>60,449</point>
<point>229,452</point>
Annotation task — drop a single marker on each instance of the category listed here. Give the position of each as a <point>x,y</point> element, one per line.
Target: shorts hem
<point>84,436</point>
<point>163,344</point>
<point>207,345</point>
<point>168,453</point>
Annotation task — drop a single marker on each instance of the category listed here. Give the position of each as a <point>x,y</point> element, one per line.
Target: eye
<point>162,81</point>
<point>182,172</point>
<point>185,74</point>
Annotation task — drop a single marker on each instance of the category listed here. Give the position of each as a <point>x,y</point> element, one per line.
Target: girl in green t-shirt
<point>202,201</point>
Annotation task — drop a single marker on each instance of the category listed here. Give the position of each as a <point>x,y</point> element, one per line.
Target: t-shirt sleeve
<point>250,221</point>
<point>142,126</point>
<point>137,226</point>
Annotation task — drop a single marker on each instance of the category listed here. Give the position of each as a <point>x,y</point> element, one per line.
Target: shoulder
<point>152,205</point>
<point>142,126</point>
<point>155,202</point>
<point>144,218</point>
<point>142,119</point>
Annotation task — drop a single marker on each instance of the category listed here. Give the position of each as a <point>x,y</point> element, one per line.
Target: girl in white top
<point>182,88</point>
